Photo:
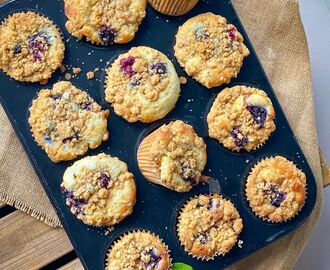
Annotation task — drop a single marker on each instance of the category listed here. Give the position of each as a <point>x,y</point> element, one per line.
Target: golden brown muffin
<point>276,189</point>
<point>104,22</point>
<point>142,85</point>
<point>31,47</point>
<point>138,250</point>
<point>210,50</point>
<point>99,190</point>
<point>241,117</point>
<point>173,7</point>
<point>209,226</point>
<point>66,121</point>
<point>173,156</point>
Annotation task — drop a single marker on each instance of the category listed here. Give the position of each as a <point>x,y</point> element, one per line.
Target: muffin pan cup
<point>157,208</point>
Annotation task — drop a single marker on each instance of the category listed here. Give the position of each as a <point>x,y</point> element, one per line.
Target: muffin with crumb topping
<point>173,156</point>
<point>31,47</point>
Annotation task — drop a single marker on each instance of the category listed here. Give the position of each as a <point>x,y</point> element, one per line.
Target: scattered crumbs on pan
<point>247,161</point>
<point>68,76</point>
<point>190,110</point>
<point>90,75</point>
<point>76,70</point>
<point>210,170</point>
<point>157,17</point>
<point>109,230</point>
<point>167,20</point>
<point>240,243</point>
<point>183,80</point>
<point>166,228</point>
<point>190,100</point>
<point>101,60</point>
<point>62,68</point>
<point>89,53</point>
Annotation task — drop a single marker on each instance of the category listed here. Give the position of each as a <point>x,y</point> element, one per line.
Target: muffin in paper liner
<point>173,156</point>
<point>241,118</point>
<point>173,7</point>
<point>276,189</point>
<point>32,47</point>
<point>206,217</point>
<point>151,252</point>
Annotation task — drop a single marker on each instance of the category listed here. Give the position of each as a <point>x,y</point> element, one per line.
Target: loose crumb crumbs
<point>76,70</point>
<point>62,68</point>
<point>183,80</point>
<point>240,243</point>
<point>109,230</point>
<point>68,76</point>
<point>90,75</point>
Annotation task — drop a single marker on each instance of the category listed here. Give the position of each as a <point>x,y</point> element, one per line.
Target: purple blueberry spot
<point>17,48</point>
<point>86,105</point>
<point>69,139</point>
<point>74,202</point>
<point>200,33</point>
<point>232,33</point>
<point>126,65</point>
<point>187,173</point>
<point>240,139</point>
<point>276,196</point>
<point>48,140</point>
<point>213,204</point>
<point>134,82</point>
<point>58,96</point>
<point>154,259</point>
<point>103,180</point>
<point>202,237</point>
<point>38,44</point>
<point>108,35</point>
<point>259,114</point>
<point>159,67</point>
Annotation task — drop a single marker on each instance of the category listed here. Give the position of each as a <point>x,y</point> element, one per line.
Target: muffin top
<point>208,226</point>
<point>104,22</point>
<point>142,85</point>
<point>276,189</point>
<point>31,47</point>
<point>179,155</point>
<point>241,117</point>
<point>210,50</point>
<point>138,251</point>
<point>66,121</point>
<point>99,190</point>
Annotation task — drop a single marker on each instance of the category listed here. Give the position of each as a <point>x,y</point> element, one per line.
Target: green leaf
<point>181,266</point>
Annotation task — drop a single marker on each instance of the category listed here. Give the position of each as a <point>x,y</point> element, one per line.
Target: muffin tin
<point>157,208</point>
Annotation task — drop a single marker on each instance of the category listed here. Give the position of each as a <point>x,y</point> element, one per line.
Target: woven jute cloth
<point>277,34</point>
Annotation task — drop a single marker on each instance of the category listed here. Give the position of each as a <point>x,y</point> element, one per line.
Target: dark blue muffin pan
<point>156,208</point>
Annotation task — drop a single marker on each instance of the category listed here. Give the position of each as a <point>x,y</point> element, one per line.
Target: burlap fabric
<point>278,37</point>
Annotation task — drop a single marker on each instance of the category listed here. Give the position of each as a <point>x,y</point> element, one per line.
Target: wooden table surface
<point>27,244</point>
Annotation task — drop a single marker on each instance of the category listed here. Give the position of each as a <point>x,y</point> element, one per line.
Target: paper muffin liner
<point>202,258</point>
<point>267,219</point>
<point>138,231</point>
<point>173,7</point>
<point>44,81</point>
<point>146,162</point>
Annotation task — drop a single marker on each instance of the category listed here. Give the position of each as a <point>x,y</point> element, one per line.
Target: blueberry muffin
<point>276,189</point>
<point>99,190</point>
<point>142,85</point>
<point>173,7</point>
<point>209,226</point>
<point>104,22</point>
<point>241,117</point>
<point>31,47</point>
<point>138,250</point>
<point>66,121</point>
<point>210,49</point>
<point>173,156</point>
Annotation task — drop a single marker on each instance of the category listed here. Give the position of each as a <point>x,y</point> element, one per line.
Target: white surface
<point>316,18</point>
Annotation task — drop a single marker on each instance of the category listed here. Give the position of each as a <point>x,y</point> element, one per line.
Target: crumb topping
<point>180,155</point>
<point>209,225</point>
<point>241,118</point>
<point>209,49</point>
<point>138,251</point>
<point>276,189</point>
<point>99,190</point>
<point>31,47</point>
<point>66,121</point>
<point>105,21</point>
